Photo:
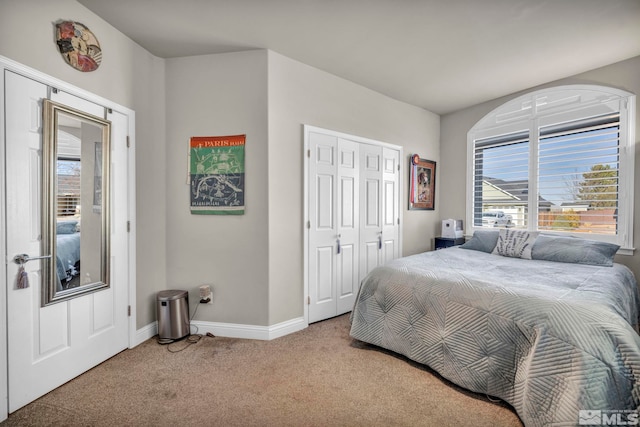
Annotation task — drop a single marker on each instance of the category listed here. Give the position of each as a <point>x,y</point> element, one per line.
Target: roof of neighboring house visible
<point>509,192</point>
<point>585,204</point>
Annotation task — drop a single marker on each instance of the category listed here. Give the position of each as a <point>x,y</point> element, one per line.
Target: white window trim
<point>530,111</point>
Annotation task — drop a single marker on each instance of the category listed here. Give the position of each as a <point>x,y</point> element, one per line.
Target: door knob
<point>25,258</point>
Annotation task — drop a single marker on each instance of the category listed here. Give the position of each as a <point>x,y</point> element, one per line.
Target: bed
<point>552,333</point>
<point>67,252</point>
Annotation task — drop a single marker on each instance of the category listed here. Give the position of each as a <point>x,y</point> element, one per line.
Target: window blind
<point>501,183</point>
<point>68,186</point>
<point>578,171</point>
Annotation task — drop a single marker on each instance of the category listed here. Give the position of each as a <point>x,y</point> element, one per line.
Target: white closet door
<point>348,220</point>
<point>390,204</point>
<point>370,208</point>
<point>380,214</point>
<point>322,218</point>
<point>333,217</point>
<point>353,214</point>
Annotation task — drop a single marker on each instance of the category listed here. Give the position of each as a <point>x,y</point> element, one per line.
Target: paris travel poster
<point>216,175</point>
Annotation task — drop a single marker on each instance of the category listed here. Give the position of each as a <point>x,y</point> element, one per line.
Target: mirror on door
<point>75,208</point>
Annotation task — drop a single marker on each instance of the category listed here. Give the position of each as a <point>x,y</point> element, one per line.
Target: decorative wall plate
<point>78,46</point>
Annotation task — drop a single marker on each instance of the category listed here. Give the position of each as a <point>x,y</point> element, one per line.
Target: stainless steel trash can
<point>173,315</point>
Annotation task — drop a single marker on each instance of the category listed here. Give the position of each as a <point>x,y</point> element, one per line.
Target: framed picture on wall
<point>422,184</point>
<point>216,174</point>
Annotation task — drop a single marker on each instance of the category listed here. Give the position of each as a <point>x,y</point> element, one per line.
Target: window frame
<point>553,106</point>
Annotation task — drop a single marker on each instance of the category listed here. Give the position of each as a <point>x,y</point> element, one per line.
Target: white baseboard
<point>232,330</point>
<point>146,332</point>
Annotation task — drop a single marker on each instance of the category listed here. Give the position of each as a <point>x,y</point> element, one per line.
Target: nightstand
<point>447,242</point>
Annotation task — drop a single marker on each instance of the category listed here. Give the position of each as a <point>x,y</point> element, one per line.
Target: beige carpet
<point>315,377</point>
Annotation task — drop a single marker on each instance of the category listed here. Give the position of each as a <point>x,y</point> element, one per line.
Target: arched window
<point>558,160</point>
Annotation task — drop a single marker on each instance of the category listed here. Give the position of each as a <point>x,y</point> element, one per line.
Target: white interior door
<point>334,221</point>
<point>353,217</point>
<point>379,215</point>
<point>323,235</point>
<point>348,222</point>
<point>48,346</point>
<point>390,204</point>
<point>371,230</point>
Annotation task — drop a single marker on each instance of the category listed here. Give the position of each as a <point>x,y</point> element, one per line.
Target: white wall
<point>128,75</point>
<point>254,262</point>
<point>622,75</point>
<point>216,95</point>
<point>298,95</point>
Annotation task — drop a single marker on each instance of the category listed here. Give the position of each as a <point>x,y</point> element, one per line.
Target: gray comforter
<point>549,338</point>
<point>67,253</point>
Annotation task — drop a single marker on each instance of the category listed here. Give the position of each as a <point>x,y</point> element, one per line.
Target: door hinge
<point>309,153</point>
<point>129,310</point>
<point>308,300</point>
<point>398,166</point>
<point>128,142</point>
<point>128,226</point>
<point>398,221</point>
<point>309,224</point>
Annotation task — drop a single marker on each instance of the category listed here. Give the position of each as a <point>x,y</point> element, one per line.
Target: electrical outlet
<point>206,296</point>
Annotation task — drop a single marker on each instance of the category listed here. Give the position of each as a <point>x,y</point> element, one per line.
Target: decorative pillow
<point>66,227</point>
<point>482,240</point>
<point>515,243</point>
<point>574,250</point>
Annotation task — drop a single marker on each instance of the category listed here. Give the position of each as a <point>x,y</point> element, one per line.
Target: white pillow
<point>515,243</point>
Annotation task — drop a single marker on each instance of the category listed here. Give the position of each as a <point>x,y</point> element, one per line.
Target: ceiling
<point>441,55</point>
